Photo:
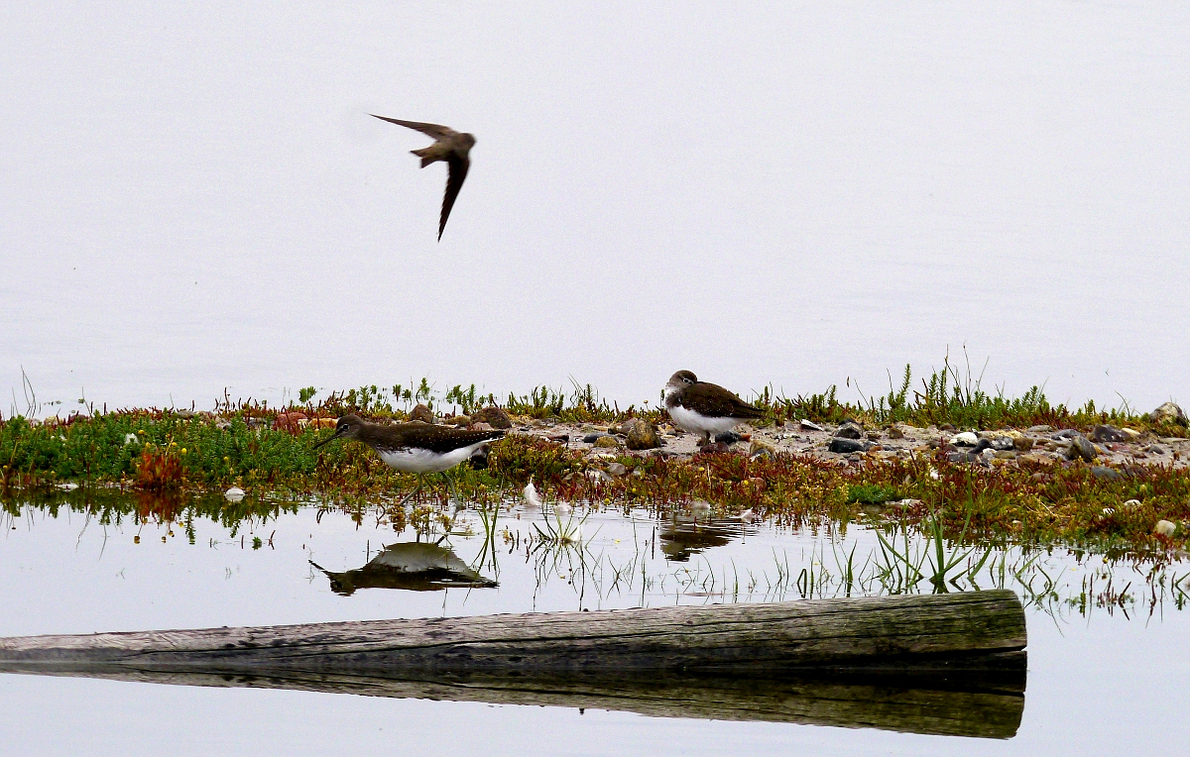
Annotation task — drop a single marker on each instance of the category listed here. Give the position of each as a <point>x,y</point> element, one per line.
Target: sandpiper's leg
<point>416,489</point>
<point>452,490</point>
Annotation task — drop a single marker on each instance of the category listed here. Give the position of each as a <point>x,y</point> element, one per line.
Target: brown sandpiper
<point>415,447</point>
<point>450,146</point>
<point>704,408</point>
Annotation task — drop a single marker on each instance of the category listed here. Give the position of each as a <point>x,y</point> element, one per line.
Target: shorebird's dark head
<point>347,427</point>
<point>680,380</point>
<point>467,140</point>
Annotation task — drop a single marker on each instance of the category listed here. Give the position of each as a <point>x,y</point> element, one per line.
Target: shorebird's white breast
<point>698,423</point>
<point>421,460</point>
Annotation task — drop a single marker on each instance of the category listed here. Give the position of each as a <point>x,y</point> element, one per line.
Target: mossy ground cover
<point>160,454</point>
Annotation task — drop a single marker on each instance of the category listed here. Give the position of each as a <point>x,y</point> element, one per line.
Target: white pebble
<point>234,494</point>
<point>966,439</point>
<point>1165,528</point>
<point>1132,503</point>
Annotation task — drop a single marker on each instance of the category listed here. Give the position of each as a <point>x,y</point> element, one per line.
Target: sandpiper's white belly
<point>698,423</point>
<point>418,460</point>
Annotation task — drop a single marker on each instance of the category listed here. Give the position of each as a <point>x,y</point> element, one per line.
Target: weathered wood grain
<point>979,631</point>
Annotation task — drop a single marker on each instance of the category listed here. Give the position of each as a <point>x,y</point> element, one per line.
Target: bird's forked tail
<point>426,155</point>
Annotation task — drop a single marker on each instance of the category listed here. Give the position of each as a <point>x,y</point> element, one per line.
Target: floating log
<point>933,664</point>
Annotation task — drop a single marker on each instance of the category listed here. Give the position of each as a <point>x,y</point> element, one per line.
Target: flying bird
<point>452,147</point>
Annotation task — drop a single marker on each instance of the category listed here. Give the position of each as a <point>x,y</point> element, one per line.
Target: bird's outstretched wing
<point>436,131</point>
<point>454,182</point>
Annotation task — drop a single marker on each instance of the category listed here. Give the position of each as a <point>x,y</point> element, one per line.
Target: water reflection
<point>685,535</point>
<point>971,711</point>
<point>416,566</point>
<point>638,559</point>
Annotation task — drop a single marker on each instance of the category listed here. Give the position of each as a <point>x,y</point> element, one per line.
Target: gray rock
<point>849,430</point>
<point>642,435</point>
<point>492,415</point>
<point>810,425</point>
<point>1022,443</point>
<point>843,445</point>
<point>1109,474</point>
<point>1080,447</point>
<point>1105,434</point>
<point>617,469</point>
<point>1039,429</point>
<point>592,438</point>
<point>1169,413</point>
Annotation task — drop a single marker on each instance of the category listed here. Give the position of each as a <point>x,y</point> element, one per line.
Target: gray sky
<point>793,194</point>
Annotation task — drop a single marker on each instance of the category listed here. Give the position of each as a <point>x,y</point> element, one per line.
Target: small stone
<point>844,445</point>
<point>1169,413</point>
<point>729,437</point>
<point>1108,474</point>
<point>607,442</point>
<point>760,445</point>
<point>965,439</point>
<point>559,438</point>
<point>810,425</point>
<point>617,469</point>
<point>1104,434</point>
<point>1023,443</point>
<point>185,413</point>
<point>493,415</point>
<point>592,438</point>
<point>1080,447</point>
<point>460,420</point>
<point>290,422</point>
<point>895,433</point>
<point>849,430</point>
<point>421,413</point>
<point>1165,528</point>
<point>1130,434</point>
<point>714,448</point>
<point>478,426</point>
<point>234,494</point>
<point>1039,429</point>
<point>642,435</point>
<point>1005,454</point>
<point>946,427</point>
<point>1132,503</point>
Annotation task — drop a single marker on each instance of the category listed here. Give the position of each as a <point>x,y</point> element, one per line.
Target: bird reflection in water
<point>684,536</point>
<point>416,566</point>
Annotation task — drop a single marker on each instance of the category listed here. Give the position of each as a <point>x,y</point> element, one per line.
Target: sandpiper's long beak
<point>330,438</point>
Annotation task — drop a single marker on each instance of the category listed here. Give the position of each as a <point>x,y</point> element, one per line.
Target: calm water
<point>1100,681</point>
<point>795,193</point>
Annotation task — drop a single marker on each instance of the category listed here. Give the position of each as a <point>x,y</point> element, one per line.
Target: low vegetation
<point>168,456</point>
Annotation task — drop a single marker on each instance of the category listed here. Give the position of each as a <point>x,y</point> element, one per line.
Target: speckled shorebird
<point>703,408</point>
<point>452,147</point>
<point>415,447</point>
